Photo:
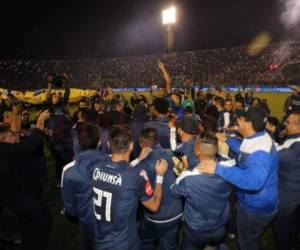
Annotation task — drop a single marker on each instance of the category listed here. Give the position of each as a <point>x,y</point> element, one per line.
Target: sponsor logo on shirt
<point>106,177</point>
<point>148,188</point>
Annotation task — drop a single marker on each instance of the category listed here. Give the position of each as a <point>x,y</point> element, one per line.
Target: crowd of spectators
<point>215,66</point>
<point>176,158</point>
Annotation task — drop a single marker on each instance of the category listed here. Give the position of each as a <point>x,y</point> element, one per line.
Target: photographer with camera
<point>54,100</point>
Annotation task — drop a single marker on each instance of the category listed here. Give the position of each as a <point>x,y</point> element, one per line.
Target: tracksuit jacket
<point>256,173</point>
<point>289,164</point>
<point>77,190</point>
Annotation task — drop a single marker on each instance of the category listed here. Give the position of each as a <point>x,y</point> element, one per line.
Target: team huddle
<point>183,177</point>
<point>177,170</point>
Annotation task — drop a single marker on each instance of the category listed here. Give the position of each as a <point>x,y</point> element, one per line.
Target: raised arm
<point>166,75</point>
<point>43,117</point>
<point>31,143</point>
<point>16,118</point>
<point>67,88</point>
<point>49,89</point>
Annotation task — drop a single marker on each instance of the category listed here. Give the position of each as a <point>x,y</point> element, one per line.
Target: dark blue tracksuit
<point>20,189</point>
<point>117,189</point>
<point>77,193</point>
<point>162,225</point>
<point>206,208</point>
<point>285,223</point>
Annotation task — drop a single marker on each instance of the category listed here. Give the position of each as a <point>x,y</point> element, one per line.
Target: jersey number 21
<point>98,202</point>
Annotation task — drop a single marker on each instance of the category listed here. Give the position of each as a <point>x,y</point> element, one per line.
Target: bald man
<point>206,200</point>
<point>285,223</point>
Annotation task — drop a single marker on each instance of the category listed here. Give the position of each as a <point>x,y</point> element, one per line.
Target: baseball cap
<point>189,125</point>
<point>188,103</point>
<point>255,115</point>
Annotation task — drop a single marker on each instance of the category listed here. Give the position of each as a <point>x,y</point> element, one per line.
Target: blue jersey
<point>170,207</point>
<point>206,200</point>
<point>118,189</point>
<point>76,185</point>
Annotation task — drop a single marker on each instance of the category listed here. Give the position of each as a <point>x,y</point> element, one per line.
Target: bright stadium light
<point>169,16</point>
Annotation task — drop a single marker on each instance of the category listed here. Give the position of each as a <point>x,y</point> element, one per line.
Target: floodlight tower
<point>169,20</point>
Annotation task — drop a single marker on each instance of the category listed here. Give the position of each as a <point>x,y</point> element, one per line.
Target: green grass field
<point>275,101</point>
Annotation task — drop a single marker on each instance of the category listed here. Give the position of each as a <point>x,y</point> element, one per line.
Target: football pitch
<point>275,100</point>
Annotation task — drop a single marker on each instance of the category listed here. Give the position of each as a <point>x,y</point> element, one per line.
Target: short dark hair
<point>119,139</point>
<point>188,110</point>
<point>220,101</point>
<point>208,143</point>
<point>240,100</point>
<point>149,136</point>
<point>254,99</point>
<point>273,120</point>
<point>208,137</point>
<point>90,115</point>
<point>258,127</point>
<point>88,136</point>
<point>161,105</point>
<point>257,117</point>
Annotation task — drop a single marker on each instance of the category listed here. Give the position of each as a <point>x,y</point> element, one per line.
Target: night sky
<point>69,29</point>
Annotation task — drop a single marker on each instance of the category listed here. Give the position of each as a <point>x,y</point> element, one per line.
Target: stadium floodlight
<point>169,16</point>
